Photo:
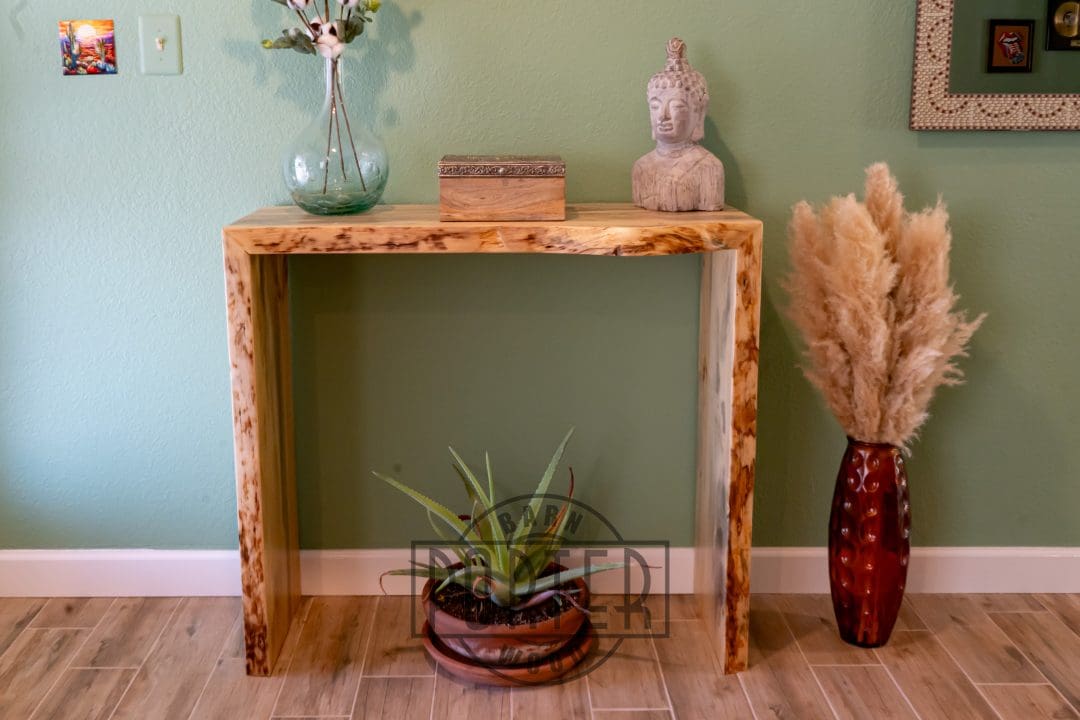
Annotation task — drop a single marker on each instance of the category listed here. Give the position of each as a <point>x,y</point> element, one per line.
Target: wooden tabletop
<point>592,229</point>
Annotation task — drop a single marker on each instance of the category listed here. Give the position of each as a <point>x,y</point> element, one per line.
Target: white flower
<point>329,46</point>
<point>297,4</point>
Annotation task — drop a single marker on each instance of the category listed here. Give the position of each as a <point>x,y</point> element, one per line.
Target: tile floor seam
<point>895,682</point>
<point>663,678</point>
<point>153,646</point>
<point>217,663</point>
<point>749,703</point>
<point>964,672</point>
<point>431,711</point>
<point>806,662</point>
<point>1020,650</point>
<point>29,623</point>
<point>74,655</point>
<point>288,665</point>
<point>364,654</point>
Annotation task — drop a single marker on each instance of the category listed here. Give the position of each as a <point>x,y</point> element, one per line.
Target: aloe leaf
<point>471,479</point>
<point>490,479</point>
<point>549,581</point>
<point>434,506</point>
<point>529,518</point>
<point>429,571</point>
<point>452,543</point>
<point>498,536</point>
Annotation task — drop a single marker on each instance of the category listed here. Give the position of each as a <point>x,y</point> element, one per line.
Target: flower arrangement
<point>321,34</point>
<point>334,167</point>
<point>871,297</point>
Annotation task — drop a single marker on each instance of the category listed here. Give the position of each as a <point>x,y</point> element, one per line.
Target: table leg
<point>258,318</point>
<point>727,426</point>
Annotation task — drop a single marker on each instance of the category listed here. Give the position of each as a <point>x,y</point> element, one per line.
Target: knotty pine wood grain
<point>259,354</point>
<point>256,281</point>
<point>598,229</point>
<point>716,358</point>
<point>744,398</point>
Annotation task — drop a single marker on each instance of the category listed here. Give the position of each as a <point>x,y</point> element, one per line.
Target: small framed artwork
<point>1010,48</point>
<point>1063,25</point>
<point>88,47</point>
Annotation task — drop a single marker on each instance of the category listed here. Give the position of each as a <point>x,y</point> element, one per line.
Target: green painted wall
<point>114,396</point>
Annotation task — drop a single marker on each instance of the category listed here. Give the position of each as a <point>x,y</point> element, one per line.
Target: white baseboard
<point>119,573</point>
<point>932,570</point>
<point>74,573</point>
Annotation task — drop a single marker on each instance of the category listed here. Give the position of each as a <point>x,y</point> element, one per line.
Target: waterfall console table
<point>257,248</point>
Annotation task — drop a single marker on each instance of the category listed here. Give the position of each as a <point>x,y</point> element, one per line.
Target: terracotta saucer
<point>542,671</point>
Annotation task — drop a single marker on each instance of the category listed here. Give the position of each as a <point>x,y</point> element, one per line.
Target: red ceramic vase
<point>869,542</point>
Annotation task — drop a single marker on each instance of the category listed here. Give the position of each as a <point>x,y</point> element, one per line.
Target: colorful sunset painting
<point>88,47</point>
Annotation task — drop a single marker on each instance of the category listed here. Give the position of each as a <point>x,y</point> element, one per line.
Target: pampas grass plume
<point>870,295</point>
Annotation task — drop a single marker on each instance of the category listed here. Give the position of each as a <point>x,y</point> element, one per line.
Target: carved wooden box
<point>502,188</point>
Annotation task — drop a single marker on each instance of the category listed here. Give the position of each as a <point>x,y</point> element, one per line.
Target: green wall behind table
<point>115,424</point>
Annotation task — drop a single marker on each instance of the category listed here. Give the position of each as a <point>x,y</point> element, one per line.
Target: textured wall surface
<point>114,397</point>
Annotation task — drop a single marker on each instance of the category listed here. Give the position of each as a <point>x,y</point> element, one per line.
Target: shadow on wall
<point>368,64</point>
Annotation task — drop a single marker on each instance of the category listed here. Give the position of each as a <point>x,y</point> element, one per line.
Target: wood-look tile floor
<point>953,657</point>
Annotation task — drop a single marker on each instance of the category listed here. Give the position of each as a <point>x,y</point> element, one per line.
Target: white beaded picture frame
<point>934,107</point>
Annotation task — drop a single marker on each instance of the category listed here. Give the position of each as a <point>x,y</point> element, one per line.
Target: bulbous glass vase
<point>336,166</point>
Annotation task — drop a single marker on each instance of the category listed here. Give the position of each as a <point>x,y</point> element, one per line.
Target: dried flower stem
<point>348,130</point>
<point>870,294</point>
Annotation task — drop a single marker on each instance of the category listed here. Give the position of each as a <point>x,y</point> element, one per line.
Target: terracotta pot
<point>869,542</point>
<point>506,645</point>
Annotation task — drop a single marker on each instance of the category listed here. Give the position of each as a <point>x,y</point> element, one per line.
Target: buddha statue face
<point>678,99</point>
<point>675,120</point>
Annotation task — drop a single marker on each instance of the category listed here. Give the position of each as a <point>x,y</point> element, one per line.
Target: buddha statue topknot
<point>679,175</point>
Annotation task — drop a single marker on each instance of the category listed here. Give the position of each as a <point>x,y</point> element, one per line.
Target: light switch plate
<point>160,50</point>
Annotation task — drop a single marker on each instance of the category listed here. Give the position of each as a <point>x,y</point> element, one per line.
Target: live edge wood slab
<point>256,273</point>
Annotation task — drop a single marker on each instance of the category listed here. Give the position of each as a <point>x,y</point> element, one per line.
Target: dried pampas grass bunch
<point>870,294</point>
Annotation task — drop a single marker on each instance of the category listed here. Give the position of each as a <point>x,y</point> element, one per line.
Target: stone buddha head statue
<point>678,100</point>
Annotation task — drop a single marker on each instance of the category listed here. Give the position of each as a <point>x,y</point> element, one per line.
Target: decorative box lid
<point>502,166</point>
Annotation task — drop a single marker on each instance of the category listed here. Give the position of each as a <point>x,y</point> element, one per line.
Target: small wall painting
<point>1010,46</point>
<point>88,47</point>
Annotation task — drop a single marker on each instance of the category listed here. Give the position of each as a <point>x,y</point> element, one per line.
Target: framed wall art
<point>1008,46</point>
<point>1063,25</point>
<point>87,47</point>
<point>953,89</point>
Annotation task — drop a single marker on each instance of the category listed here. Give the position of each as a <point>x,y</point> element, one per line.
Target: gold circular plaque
<point>1067,19</point>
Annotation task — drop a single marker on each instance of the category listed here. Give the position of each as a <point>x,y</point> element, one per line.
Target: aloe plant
<point>504,566</point>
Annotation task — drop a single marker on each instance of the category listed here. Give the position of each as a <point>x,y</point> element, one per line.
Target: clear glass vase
<point>336,166</point>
